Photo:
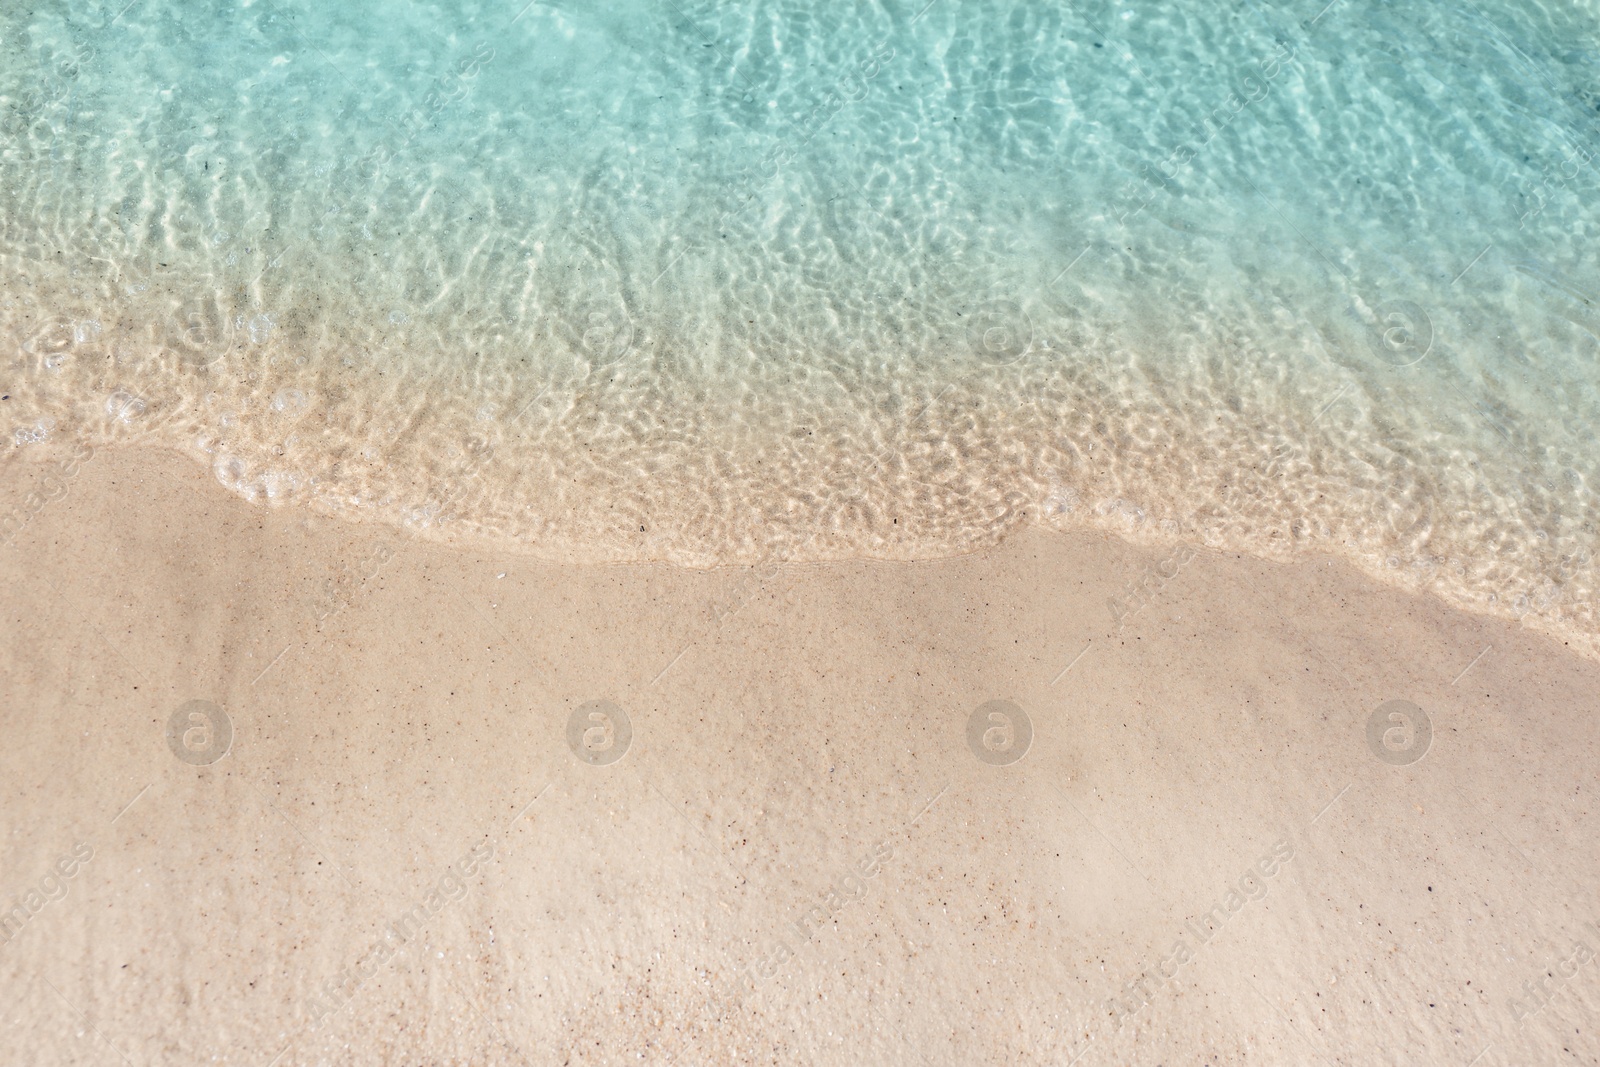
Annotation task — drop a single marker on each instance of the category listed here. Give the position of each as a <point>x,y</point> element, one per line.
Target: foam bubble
<point>124,406</point>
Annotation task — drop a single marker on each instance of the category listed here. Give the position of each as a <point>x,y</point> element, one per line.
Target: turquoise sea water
<point>719,282</point>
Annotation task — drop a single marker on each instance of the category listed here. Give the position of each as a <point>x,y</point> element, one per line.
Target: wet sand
<point>398,828</point>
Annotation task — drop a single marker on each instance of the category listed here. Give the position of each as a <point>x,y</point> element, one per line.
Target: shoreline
<point>768,821</point>
<point>1169,547</point>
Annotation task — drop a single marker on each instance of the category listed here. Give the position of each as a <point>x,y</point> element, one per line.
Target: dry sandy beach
<point>396,829</point>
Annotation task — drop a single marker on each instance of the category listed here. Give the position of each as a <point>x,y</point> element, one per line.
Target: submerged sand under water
<point>713,285</point>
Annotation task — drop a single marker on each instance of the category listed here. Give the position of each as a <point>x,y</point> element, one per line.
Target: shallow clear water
<point>724,282</point>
